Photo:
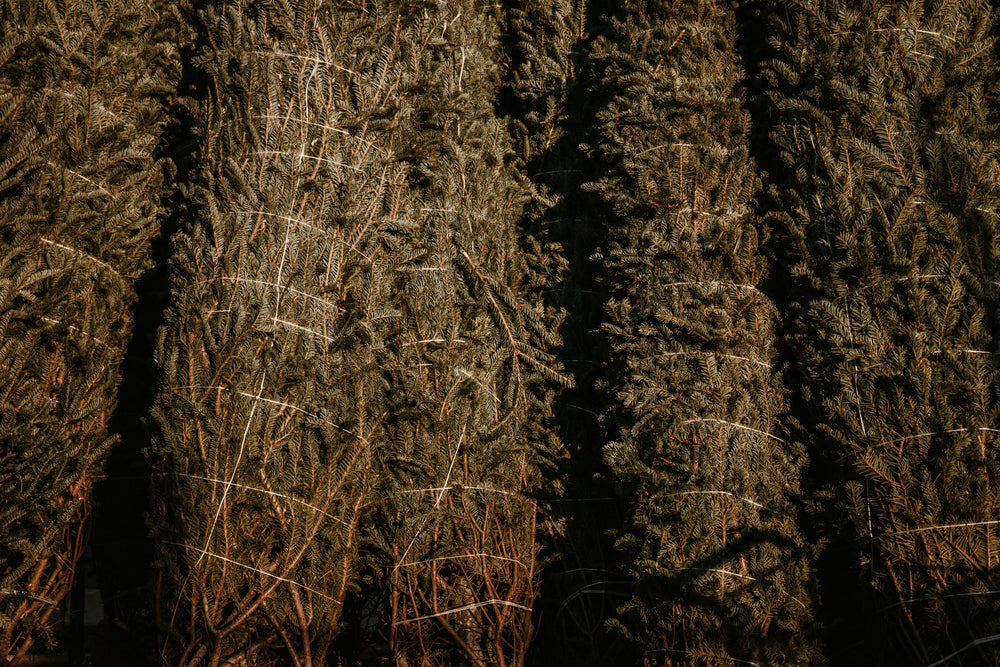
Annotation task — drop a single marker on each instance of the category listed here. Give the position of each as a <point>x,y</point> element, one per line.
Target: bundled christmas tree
<point>720,570</point>
<point>888,205</point>
<point>473,379</point>
<point>344,342</point>
<point>282,327</point>
<point>81,89</point>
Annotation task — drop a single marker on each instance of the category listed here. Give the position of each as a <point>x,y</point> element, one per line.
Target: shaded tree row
<point>82,95</point>
<point>761,237</point>
<point>887,205</point>
<point>694,427</point>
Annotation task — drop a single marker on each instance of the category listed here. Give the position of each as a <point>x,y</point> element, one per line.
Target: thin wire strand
<point>239,457</point>
<point>467,607</point>
<point>265,491</point>
<point>253,569</point>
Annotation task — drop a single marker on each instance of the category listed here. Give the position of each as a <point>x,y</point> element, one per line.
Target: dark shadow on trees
<point>580,589</point>
<point>122,546</point>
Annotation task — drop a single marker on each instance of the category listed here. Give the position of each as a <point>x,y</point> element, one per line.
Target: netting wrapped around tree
<point>888,211</point>
<point>80,99</point>
<point>720,569</point>
<point>284,323</point>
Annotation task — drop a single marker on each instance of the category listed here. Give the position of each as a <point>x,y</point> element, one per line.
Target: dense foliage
<point>503,333</point>
<point>344,346</point>
<point>470,390</point>
<point>720,569</point>
<point>888,206</point>
<point>82,88</point>
<point>269,358</point>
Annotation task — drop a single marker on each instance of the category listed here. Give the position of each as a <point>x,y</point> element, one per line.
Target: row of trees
<point>649,332</point>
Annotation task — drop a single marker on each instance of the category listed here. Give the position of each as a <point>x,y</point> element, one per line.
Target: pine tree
<point>720,570</point>
<point>887,206</point>
<point>458,529</point>
<point>284,322</point>
<point>81,95</point>
<point>344,343</point>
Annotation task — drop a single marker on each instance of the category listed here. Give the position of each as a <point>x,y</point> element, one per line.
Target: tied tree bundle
<point>458,527</point>
<point>889,209</point>
<point>720,570</point>
<point>81,113</point>
<point>284,330</point>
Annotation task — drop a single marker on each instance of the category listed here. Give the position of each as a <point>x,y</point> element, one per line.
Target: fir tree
<point>283,324</point>
<point>472,383</point>
<point>719,567</point>
<point>344,340</point>
<point>888,207</point>
<point>81,89</point>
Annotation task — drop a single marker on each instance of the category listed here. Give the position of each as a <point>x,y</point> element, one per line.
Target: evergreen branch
<point>989,45</point>
<point>253,569</point>
<point>734,425</point>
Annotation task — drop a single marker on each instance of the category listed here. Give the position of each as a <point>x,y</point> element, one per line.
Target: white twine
<point>467,607</point>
